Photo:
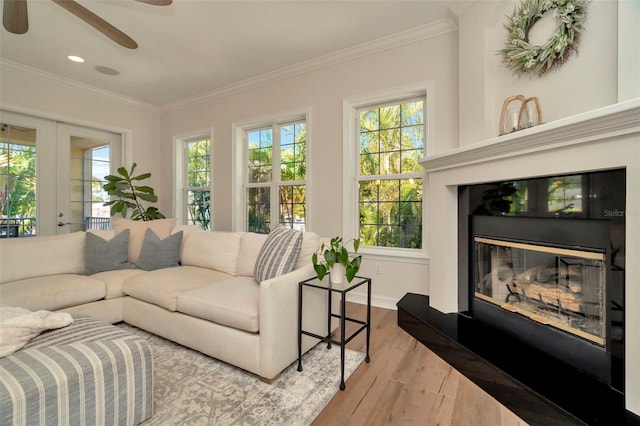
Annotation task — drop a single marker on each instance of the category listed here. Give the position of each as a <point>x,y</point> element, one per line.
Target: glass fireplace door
<point>555,286</point>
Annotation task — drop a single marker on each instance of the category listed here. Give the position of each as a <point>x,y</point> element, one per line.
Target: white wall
<point>35,93</point>
<point>587,81</point>
<point>322,92</point>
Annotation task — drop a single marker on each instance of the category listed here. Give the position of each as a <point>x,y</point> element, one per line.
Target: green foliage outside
<point>18,185</point>
<point>390,189</point>
<point>199,176</point>
<point>293,168</point>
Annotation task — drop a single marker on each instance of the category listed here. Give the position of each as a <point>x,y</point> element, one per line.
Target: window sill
<point>395,255</point>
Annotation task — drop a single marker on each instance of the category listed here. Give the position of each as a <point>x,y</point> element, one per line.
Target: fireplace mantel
<point>603,139</point>
<point>611,121</point>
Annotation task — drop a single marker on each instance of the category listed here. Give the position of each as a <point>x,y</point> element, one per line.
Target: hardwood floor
<point>407,384</point>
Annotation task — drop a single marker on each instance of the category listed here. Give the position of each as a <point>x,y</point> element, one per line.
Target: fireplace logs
<point>559,288</point>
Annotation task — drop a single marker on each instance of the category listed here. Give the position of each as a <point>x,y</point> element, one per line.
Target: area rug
<point>194,389</point>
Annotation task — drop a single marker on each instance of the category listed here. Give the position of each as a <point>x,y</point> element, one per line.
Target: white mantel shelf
<point>610,121</point>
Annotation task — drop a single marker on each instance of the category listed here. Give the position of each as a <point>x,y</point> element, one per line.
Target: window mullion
<point>276,177</point>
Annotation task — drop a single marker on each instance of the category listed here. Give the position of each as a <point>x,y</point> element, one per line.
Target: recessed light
<point>75,58</point>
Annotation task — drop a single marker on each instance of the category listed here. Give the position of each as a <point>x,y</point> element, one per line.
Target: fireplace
<point>558,287</point>
<point>567,325</point>
<point>547,265</point>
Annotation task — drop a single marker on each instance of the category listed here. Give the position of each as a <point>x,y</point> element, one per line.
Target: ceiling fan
<point>16,21</point>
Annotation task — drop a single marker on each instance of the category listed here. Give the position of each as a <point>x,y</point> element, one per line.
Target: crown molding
<point>413,35</point>
<point>75,85</point>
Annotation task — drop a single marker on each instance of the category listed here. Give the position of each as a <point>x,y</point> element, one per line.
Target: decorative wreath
<point>523,58</point>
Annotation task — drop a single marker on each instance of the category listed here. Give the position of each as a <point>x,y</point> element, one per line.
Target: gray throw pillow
<point>278,254</point>
<point>157,253</point>
<point>106,255</point>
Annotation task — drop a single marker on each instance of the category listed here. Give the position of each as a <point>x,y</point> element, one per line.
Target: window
<point>389,175</point>
<point>90,177</point>
<point>387,134</point>
<point>276,168</point>
<point>196,196</point>
<point>17,181</point>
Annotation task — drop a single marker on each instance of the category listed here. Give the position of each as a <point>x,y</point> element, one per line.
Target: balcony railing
<point>102,223</point>
<point>26,226</point>
<point>18,227</point>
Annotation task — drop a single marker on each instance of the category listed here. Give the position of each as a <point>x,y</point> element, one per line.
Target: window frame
<point>181,180</point>
<point>240,175</point>
<point>351,131</point>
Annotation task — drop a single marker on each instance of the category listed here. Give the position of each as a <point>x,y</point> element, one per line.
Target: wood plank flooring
<point>407,384</point>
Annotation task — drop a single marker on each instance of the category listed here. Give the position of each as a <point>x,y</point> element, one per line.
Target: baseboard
<point>377,301</point>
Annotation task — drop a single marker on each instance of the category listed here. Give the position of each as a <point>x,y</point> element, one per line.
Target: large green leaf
<point>129,196</point>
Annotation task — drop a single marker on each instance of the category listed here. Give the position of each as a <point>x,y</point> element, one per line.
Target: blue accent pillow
<point>157,253</point>
<point>106,255</point>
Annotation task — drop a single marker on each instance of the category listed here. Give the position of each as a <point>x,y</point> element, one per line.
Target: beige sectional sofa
<point>210,302</point>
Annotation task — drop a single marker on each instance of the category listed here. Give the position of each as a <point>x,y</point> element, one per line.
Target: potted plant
<point>129,195</point>
<point>337,261</point>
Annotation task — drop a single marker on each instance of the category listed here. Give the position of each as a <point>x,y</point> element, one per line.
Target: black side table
<point>343,289</point>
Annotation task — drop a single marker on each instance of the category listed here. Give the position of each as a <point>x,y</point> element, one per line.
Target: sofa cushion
<point>185,229</point>
<point>212,250</point>
<point>106,254</point>
<point>249,249</point>
<point>311,243</point>
<point>159,253</point>
<point>232,302</point>
<point>162,228</point>
<point>278,253</point>
<point>163,286</point>
<point>52,292</point>
<point>105,234</point>
<point>56,254</point>
<point>114,280</point>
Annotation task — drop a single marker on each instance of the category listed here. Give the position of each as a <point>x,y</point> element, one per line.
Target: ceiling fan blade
<point>14,16</point>
<point>98,23</point>
<point>157,2</point>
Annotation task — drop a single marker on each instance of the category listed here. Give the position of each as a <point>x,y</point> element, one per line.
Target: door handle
<point>63,223</point>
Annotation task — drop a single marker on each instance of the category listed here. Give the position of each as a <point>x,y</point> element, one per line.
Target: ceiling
<point>194,47</point>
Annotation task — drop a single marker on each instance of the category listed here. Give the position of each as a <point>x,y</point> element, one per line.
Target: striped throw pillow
<point>278,254</point>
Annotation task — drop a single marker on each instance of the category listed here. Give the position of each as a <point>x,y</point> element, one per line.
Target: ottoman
<point>89,372</point>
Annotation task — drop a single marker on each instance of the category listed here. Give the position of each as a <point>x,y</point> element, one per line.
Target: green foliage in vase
<point>130,195</point>
<point>336,252</point>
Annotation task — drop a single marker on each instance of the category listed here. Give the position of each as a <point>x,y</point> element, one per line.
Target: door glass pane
<point>89,164</point>
<point>17,181</point>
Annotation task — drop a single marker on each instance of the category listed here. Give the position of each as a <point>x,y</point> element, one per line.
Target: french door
<point>85,157</point>
<point>51,175</point>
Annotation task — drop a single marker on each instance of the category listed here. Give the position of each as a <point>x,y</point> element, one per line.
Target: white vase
<point>337,273</point>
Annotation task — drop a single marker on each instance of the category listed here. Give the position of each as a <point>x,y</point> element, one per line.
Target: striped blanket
<point>89,372</point>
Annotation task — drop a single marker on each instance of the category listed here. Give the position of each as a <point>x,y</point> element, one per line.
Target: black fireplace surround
<point>544,374</point>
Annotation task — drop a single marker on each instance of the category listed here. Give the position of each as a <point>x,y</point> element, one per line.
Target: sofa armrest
<point>279,319</point>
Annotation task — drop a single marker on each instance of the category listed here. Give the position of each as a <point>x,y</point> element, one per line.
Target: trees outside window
<point>17,189</point>
<point>197,189</point>
<point>389,176</point>
<point>276,167</point>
